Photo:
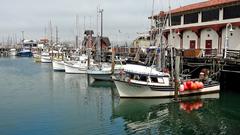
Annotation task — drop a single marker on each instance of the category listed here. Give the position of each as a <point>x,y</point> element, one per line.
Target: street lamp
<point>229,25</point>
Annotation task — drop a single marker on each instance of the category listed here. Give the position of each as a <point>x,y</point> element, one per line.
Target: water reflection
<point>163,116</point>
<point>36,100</point>
<point>191,106</point>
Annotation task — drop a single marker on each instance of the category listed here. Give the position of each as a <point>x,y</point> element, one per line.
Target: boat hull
<point>24,54</point>
<point>58,66</point>
<point>70,69</point>
<point>101,77</point>
<point>132,90</point>
<point>46,59</point>
<point>13,53</point>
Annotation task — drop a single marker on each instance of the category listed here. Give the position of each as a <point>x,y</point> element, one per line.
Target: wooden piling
<point>177,76</point>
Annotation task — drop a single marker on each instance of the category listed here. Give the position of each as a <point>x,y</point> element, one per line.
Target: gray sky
<point>32,16</point>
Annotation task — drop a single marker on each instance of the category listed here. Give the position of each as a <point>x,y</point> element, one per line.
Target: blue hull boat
<point>25,53</point>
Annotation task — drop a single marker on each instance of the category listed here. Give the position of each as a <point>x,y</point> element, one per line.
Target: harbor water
<point>34,100</point>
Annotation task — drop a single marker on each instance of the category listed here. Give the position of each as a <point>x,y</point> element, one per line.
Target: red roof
<point>205,4</point>
<point>200,5</point>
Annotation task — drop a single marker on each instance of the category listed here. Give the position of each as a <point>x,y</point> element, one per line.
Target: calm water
<point>34,100</point>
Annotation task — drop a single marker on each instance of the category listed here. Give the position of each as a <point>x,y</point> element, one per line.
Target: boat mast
<point>51,38</point>
<point>22,38</point>
<point>77,31</point>
<point>57,40</point>
<point>170,42</point>
<point>101,34</point>
<point>57,35</point>
<point>151,28</point>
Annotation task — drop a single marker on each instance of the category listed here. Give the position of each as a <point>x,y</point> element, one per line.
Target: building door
<point>192,44</point>
<point>208,47</point>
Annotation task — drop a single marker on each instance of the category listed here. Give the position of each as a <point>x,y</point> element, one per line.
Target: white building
<point>203,25</point>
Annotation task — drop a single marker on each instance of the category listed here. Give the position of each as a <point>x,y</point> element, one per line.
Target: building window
<point>231,12</point>
<point>210,15</point>
<point>191,18</point>
<point>176,20</point>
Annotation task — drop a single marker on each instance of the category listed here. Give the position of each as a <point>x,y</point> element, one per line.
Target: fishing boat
<point>140,81</point>
<point>45,57</point>
<point>104,72</point>
<point>13,52</point>
<point>100,72</point>
<point>24,53</point>
<point>37,58</point>
<point>77,67</point>
<point>58,65</point>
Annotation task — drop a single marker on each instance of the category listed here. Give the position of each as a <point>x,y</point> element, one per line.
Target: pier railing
<point>233,54</point>
<point>197,53</point>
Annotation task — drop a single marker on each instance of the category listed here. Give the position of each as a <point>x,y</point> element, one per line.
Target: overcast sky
<point>32,16</point>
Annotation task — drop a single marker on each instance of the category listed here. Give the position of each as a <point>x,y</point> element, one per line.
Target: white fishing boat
<point>77,67</point>
<point>37,58</point>
<point>45,57</point>
<point>104,71</point>
<point>146,82</point>
<point>13,52</point>
<point>58,65</point>
<point>100,72</point>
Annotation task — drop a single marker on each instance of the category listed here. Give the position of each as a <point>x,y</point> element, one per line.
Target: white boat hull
<point>131,90</point>
<point>100,75</point>
<point>70,69</point>
<point>13,53</point>
<point>46,59</point>
<point>58,66</point>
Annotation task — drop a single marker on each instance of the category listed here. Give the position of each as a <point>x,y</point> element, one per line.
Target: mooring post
<point>113,60</point>
<point>177,76</point>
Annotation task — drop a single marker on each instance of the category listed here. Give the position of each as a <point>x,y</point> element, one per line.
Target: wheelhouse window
<point>154,79</point>
<point>143,78</point>
<point>176,20</point>
<point>191,18</point>
<point>231,12</point>
<point>210,15</point>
